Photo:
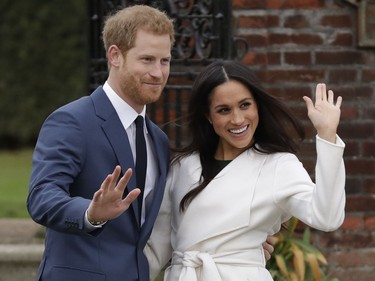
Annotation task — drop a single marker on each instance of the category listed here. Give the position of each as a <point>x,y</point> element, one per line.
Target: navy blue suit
<point>78,146</point>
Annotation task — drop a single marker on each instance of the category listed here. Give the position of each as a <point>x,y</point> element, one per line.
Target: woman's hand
<point>325,113</point>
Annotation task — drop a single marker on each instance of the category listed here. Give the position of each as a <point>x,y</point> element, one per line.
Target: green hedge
<point>43,63</point>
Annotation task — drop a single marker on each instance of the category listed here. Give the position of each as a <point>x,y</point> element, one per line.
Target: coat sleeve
<point>158,249</point>
<point>57,160</point>
<point>320,205</point>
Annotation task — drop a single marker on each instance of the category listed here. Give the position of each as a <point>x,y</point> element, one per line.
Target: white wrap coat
<point>219,237</point>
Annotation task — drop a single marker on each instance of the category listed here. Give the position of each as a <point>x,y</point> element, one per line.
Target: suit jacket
<point>219,236</point>
<point>78,146</point>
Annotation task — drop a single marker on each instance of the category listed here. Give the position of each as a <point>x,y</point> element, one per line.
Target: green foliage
<point>296,259</point>
<point>43,63</point>
<point>15,167</point>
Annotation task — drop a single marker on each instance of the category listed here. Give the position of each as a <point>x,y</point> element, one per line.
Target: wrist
<point>93,221</point>
<point>97,222</point>
<point>328,137</point>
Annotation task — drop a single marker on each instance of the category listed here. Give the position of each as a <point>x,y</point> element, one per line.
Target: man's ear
<point>114,56</point>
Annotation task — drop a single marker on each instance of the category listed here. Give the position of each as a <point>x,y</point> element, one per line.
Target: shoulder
<point>97,103</point>
<point>284,159</point>
<point>72,108</point>
<point>187,160</point>
<point>70,114</point>
<point>272,157</point>
<point>184,172</point>
<point>275,161</point>
<point>188,163</point>
<point>76,106</point>
<point>157,133</point>
<point>155,128</point>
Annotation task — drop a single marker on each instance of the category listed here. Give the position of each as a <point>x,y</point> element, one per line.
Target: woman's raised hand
<point>325,113</point>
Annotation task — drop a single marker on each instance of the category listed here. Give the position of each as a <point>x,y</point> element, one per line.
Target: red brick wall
<point>293,44</point>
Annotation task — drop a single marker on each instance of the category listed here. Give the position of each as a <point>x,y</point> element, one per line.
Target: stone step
<point>22,253</point>
<point>21,249</point>
<point>20,231</point>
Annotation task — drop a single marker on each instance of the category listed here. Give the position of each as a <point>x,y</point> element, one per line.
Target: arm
<point>325,116</point>
<point>320,205</point>
<point>57,164</point>
<point>57,161</point>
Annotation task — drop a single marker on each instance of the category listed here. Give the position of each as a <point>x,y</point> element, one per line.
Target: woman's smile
<point>239,131</point>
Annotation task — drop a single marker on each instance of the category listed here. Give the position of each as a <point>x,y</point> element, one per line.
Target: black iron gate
<point>203,32</point>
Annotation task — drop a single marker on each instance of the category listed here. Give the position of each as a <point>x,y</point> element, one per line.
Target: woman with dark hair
<point>238,179</point>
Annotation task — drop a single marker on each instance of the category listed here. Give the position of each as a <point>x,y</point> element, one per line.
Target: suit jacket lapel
<point>117,137</point>
<point>162,157</point>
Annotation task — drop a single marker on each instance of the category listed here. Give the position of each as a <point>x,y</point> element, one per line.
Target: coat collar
<point>230,193</point>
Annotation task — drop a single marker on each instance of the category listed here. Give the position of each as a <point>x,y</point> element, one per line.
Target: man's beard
<point>136,92</point>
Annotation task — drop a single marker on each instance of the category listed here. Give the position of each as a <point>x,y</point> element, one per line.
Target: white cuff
<point>89,226</point>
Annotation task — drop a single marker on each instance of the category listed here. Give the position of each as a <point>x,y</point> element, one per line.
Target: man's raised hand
<point>107,202</point>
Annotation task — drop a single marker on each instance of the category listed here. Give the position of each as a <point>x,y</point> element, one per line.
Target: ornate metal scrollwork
<point>203,33</point>
<point>203,29</point>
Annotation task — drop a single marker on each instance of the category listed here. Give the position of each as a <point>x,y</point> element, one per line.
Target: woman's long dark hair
<point>278,130</point>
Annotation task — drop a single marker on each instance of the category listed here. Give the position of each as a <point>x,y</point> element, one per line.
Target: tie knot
<point>139,121</point>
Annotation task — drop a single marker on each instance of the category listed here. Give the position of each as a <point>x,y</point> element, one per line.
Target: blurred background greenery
<point>43,64</point>
<point>14,176</point>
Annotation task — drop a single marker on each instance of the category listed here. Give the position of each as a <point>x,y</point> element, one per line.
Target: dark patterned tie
<point>141,160</point>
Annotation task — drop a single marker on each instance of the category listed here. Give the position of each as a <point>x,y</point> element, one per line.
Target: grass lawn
<point>15,167</point>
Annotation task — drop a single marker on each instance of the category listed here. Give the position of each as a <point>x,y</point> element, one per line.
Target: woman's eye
<point>223,110</point>
<point>245,105</point>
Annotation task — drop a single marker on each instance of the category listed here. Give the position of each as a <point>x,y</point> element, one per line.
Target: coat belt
<point>192,261</point>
